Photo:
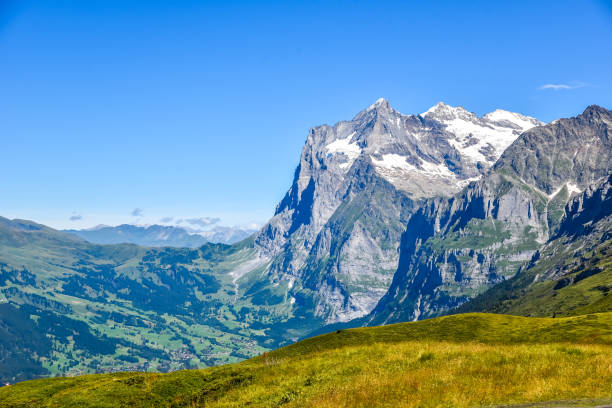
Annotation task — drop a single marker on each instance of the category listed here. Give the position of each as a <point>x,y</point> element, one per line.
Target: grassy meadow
<point>453,361</point>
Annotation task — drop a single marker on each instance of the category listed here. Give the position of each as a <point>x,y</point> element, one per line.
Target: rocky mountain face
<point>160,235</point>
<point>333,239</point>
<point>585,213</point>
<point>455,248</point>
<point>571,273</point>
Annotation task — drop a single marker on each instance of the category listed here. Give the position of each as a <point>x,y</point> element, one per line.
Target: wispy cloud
<point>562,87</point>
<point>251,226</point>
<point>137,212</point>
<point>202,221</point>
<point>166,220</point>
<point>76,217</point>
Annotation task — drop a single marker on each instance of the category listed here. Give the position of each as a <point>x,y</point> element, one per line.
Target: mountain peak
<point>446,112</point>
<point>380,106</point>
<point>380,103</point>
<point>437,107</point>
<point>522,121</point>
<point>595,109</point>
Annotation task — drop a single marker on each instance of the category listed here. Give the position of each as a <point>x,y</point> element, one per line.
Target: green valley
<point>101,308</point>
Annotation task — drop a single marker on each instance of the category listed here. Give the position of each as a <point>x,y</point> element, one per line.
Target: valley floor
<point>454,361</point>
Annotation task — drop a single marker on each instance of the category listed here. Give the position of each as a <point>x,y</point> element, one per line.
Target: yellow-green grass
<point>454,361</point>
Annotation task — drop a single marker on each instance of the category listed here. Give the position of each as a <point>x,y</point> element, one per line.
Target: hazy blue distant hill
<point>160,235</point>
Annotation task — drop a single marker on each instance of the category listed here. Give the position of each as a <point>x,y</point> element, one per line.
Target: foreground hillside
<point>461,360</point>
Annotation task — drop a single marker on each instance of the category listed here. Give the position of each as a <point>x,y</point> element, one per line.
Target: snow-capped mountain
<point>481,139</point>
<point>447,150</point>
<point>335,235</point>
<point>455,248</point>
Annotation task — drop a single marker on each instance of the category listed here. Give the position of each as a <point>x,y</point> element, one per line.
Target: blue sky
<point>200,109</point>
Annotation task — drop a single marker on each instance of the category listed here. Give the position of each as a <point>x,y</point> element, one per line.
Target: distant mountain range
<point>161,235</point>
<point>389,218</point>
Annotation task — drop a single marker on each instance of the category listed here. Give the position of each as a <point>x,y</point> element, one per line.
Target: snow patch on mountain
<point>344,146</point>
<point>520,121</point>
<point>396,162</point>
<point>572,188</point>
<point>481,139</point>
<point>463,183</point>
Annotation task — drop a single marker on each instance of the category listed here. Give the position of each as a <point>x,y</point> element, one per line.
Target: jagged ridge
<point>455,248</point>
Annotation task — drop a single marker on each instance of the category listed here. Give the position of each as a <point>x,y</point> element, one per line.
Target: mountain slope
<point>455,248</point>
<point>334,237</point>
<point>572,273</point>
<point>461,361</point>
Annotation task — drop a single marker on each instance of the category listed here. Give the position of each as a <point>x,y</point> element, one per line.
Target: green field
<point>459,361</point>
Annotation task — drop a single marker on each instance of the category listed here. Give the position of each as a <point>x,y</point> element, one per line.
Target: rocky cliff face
<point>568,275</point>
<point>334,236</point>
<point>586,224</point>
<point>455,248</point>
